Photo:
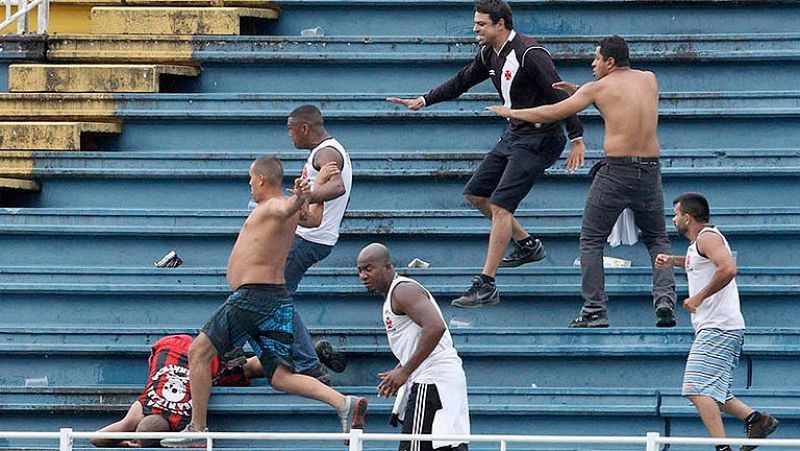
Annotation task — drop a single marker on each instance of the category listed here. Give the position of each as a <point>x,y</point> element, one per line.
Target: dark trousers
<point>620,184</point>
<point>302,255</point>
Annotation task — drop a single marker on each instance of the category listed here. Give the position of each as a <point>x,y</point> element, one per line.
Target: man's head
<point>375,268</point>
<point>611,53</point>
<point>492,21</point>
<point>691,213</point>
<point>151,423</point>
<point>266,175</point>
<point>305,126</point>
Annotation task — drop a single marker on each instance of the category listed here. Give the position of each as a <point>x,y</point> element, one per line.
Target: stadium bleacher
<point>103,169</point>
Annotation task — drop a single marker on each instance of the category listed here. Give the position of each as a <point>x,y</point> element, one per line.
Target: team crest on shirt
<point>174,394</point>
<point>388,323</point>
<point>507,74</point>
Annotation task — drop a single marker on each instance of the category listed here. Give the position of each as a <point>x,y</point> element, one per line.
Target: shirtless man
<point>259,311</point>
<point>629,176</point>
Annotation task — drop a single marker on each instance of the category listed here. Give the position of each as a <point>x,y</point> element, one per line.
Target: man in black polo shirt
<point>523,74</point>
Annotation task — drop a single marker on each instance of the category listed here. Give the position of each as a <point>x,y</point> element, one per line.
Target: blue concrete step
<point>149,182</point>
<point>532,296</point>
<point>554,357</point>
<point>231,163</point>
<point>492,411</point>
<point>262,106</point>
<point>384,64</point>
<point>683,419</point>
<point>428,17</point>
<point>390,221</point>
<point>248,121</point>
<point>203,238</point>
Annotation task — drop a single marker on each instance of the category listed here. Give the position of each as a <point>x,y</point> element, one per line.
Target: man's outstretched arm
<point>577,102</point>
<point>474,73</point>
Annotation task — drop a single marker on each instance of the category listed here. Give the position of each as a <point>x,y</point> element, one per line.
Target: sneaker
<point>761,428</point>
<point>666,317</point>
<point>336,361</point>
<point>590,320</point>
<point>190,442</point>
<point>479,294</point>
<point>524,254</point>
<point>353,414</point>
<point>319,373</point>
<point>235,358</point>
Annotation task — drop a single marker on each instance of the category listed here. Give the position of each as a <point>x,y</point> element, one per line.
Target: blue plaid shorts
<point>260,315</point>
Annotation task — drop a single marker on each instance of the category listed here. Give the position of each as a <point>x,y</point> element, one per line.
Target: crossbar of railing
<point>21,16</point>
<point>357,437</point>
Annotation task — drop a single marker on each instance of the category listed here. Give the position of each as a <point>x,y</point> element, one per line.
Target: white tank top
<point>328,231</point>
<point>443,364</point>
<point>722,310</point>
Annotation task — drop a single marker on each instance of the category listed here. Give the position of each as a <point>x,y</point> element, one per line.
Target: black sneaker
<point>479,294</point>
<point>524,254</point>
<point>666,317</point>
<point>761,428</point>
<point>235,358</point>
<point>590,320</point>
<point>336,361</point>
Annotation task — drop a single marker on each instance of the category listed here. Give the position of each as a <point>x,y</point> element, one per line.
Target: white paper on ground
<point>608,262</point>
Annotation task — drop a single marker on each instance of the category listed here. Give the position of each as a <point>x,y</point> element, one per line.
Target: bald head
<point>375,268</point>
<point>375,253</point>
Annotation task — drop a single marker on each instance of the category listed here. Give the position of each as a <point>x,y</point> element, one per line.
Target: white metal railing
<point>21,15</point>
<point>357,437</point>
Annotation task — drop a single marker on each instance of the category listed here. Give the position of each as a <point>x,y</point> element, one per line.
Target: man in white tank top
<point>306,129</point>
<point>717,320</point>
<point>430,372</point>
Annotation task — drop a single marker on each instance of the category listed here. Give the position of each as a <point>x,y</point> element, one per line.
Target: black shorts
<point>260,315</point>
<point>507,173</point>
<point>423,402</point>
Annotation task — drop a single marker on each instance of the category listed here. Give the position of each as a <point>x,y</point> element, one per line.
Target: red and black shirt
<point>168,391</point>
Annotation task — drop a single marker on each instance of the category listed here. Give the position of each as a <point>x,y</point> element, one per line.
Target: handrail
<point>21,16</point>
<point>357,437</point>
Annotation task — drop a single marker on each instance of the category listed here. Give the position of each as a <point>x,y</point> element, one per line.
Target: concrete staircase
<point>83,302</point>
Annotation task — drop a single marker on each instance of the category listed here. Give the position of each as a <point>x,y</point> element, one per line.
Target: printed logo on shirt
<point>688,263</point>
<point>173,394</point>
<point>507,74</point>
<point>304,174</point>
<point>389,324</point>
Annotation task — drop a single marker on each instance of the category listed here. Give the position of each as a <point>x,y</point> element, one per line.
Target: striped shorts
<point>421,408</point>
<point>709,368</point>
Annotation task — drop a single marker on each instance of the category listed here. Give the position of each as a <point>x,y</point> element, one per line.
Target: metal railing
<point>21,15</point>
<point>357,437</point>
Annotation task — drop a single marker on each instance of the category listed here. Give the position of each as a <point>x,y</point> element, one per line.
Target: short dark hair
<point>496,9</point>
<point>270,166</point>
<point>695,205</point>
<point>307,114</point>
<point>617,48</point>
